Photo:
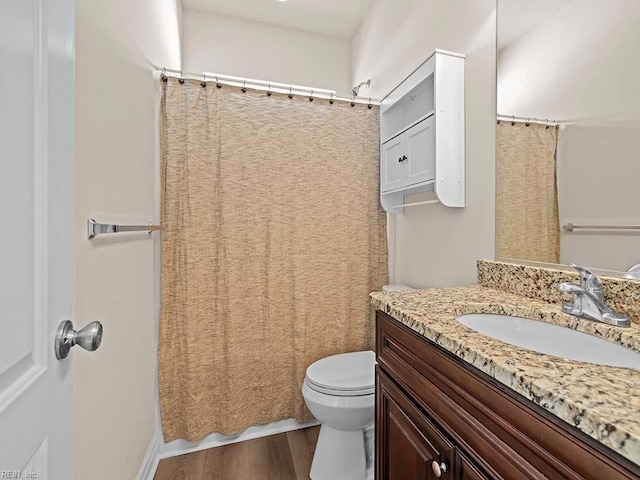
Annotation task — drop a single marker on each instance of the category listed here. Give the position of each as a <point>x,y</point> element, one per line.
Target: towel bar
<point>94,228</point>
<point>571,227</point>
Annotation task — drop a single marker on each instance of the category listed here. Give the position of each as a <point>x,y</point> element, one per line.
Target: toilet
<point>339,391</point>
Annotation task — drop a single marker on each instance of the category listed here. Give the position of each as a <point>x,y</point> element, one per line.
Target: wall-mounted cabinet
<point>416,143</point>
<point>422,134</point>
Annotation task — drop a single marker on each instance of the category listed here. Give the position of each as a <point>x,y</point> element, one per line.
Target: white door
<point>37,239</point>
<point>392,164</point>
<point>420,148</point>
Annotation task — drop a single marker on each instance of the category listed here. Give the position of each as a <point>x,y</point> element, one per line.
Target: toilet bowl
<point>339,391</point>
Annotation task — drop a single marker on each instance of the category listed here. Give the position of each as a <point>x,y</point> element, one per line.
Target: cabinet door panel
<point>420,149</point>
<point>408,458</point>
<point>392,173</point>
<point>410,441</point>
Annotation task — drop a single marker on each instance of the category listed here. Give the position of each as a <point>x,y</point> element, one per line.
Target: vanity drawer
<point>503,433</point>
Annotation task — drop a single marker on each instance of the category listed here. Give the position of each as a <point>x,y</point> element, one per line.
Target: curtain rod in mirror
<point>527,120</point>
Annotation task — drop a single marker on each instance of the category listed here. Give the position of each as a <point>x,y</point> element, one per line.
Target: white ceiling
<point>335,18</point>
<point>517,17</point>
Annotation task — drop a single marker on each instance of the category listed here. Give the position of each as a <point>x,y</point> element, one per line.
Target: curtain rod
<point>527,120</point>
<point>275,87</point>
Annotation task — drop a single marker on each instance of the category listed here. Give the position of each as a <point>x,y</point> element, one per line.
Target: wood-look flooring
<point>286,456</point>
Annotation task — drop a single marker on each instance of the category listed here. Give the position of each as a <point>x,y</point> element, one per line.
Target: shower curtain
<point>274,238</point>
<point>527,223</point>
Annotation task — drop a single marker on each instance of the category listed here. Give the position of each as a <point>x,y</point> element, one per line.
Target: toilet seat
<point>343,375</point>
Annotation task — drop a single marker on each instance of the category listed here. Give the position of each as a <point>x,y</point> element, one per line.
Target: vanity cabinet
<point>439,417</point>
<point>422,134</point>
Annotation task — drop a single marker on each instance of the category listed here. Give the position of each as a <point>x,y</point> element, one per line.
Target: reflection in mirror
<point>568,141</point>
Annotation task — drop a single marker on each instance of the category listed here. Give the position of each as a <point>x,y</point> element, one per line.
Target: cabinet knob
<point>438,468</point>
<point>402,158</point>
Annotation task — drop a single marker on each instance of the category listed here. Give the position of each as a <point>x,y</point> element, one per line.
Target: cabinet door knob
<point>438,468</point>
<point>402,158</point>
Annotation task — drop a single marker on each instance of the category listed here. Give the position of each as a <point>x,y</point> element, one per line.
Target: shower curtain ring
<point>181,80</point>
<point>546,124</point>
<point>290,94</point>
<point>370,106</point>
<point>353,101</point>
<point>311,96</point>
<point>218,83</point>
<point>204,81</point>
<point>163,76</point>
<point>528,122</point>
<point>513,120</point>
<point>331,100</point>
<point>244,86</point>
<point>269,91</point>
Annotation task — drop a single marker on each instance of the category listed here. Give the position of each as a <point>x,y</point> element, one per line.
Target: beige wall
<point>433,245</point>
<point>114,393</point>
<point>231,46</point>
<point>577,67</point>
<point>598,178</point>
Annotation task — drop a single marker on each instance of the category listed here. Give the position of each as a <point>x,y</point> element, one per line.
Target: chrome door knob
<point>89,338</point>
<point>438,468</point>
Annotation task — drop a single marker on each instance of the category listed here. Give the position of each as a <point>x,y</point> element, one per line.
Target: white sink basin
<point>551,339</point>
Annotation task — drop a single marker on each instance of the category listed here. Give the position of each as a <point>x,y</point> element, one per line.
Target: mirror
<point>575,63</point>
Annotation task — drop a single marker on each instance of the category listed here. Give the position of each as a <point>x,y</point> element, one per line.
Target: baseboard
<point>180,447</point>
<point>150,461</point>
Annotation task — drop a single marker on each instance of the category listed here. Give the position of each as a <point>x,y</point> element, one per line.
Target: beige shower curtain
<point>527,223</point>
<point>274,238</point>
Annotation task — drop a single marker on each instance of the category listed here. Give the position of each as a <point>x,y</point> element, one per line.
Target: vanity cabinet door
<point>414,447</point>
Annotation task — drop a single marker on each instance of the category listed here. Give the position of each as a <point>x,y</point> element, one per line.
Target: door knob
<point>438,468</point>
<point>89,338</point>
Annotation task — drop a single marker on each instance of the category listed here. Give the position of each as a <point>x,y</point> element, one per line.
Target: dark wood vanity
<point>439,417</point>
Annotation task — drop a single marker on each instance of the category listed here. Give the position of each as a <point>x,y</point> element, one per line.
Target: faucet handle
<point>633,272</point>
<point>589,281</point>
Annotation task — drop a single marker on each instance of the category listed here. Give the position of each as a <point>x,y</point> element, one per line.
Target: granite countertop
<point>602,401</point>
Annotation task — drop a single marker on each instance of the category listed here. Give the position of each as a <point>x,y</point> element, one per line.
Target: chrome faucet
<point>633,272</point>
<point>588,300</point>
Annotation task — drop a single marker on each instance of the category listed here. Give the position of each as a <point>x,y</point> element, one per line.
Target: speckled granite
<point>601,401</point>
<point>542,283</point>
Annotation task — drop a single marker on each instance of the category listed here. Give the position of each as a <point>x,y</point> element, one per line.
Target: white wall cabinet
<point>422,134</point>
<point>409,158</point>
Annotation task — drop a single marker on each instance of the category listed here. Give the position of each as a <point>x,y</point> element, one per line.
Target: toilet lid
<point>347,372</point>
